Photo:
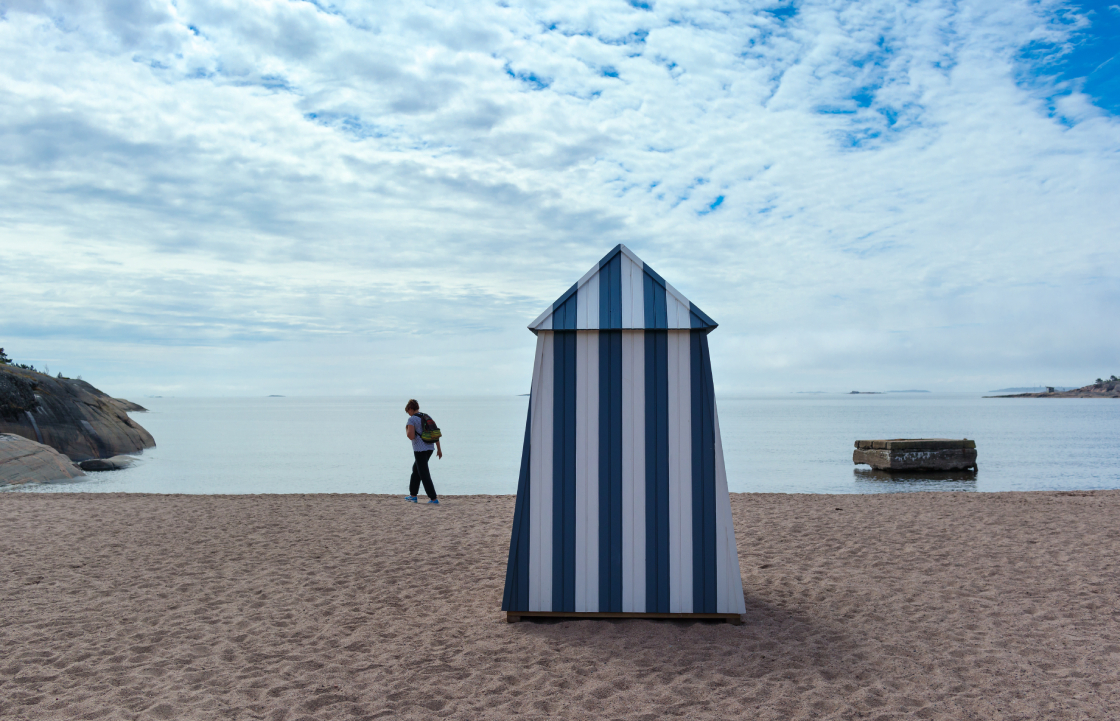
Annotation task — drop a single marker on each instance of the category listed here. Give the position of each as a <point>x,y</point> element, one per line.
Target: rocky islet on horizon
<point>1100,389</point>
<point>68,418</point>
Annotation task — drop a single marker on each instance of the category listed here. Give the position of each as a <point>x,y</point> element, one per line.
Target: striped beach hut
<point>622,506</point>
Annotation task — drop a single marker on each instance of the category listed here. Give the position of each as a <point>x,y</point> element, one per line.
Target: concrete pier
<point>917,454</point>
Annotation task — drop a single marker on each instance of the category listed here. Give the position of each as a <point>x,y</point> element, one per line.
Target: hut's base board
<point>733,618</point>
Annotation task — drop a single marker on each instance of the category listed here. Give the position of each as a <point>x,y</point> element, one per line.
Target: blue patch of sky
<point>946,65</point>
<point>711,206</point>
<point>637,37</point>
<point>351,125</point>
<point>885,120</point>
<point>858,139</point>
<point>641,4</point>
<point>332,9</point>
<point>567,32</point>
<point>874,66</point>
<point>772,21</point>
<point>274,82</point>
<point>194,30</point>
<point>323,7</point>
<point>696,182</point>
<point>1088,60</point>
<point>864,96</point>
<point>609,72</point>
<point>782,12</point>
<point>625,187</point>
<point>531,79</point>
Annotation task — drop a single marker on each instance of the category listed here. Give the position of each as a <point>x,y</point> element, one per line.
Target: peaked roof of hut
<point>621,292</point>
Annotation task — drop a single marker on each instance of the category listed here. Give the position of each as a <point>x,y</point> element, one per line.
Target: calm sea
<point>788,444</point>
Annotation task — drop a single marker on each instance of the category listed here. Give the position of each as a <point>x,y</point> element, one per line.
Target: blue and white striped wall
<point>622,502</point>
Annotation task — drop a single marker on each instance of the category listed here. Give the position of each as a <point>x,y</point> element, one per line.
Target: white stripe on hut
<point>622,505</point>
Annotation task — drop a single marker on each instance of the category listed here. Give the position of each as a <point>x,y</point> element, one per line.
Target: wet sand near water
<point>921,605</point>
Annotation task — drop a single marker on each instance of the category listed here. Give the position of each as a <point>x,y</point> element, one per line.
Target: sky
<point>251,197</point>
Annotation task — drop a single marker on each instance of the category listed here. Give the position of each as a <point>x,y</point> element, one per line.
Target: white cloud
<point>361,188</point>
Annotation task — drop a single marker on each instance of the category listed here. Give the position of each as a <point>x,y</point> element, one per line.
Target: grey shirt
<point>418,443</point>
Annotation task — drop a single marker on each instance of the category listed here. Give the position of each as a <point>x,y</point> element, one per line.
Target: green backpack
<point>429,431</point>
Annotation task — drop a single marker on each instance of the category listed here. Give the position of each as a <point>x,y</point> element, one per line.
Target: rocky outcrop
<point>128,406</point>
<point>115,463</point>
<point>1106,389</point>
<point>25,461</point>
<point>917,454</point>
<point>17,395</point>
<point>68,415</point>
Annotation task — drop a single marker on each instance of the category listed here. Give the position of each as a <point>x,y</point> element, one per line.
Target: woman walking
<point>422,451</point>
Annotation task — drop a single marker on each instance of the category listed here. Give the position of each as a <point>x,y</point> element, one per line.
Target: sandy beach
<point>924,605</point>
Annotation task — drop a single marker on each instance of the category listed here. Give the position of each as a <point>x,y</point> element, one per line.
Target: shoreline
<point>24,489</point>
<point>936,605</point>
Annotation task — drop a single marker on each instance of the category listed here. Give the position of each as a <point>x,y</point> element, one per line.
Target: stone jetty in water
<point>917,454</point>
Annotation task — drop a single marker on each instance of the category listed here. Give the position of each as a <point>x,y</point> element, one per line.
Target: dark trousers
<point>420,472</point>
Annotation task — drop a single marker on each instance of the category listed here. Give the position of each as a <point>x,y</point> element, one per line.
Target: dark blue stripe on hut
<point>610,293</point>
<point>700,319</point>
<point>610,471</point>
<point>516,596</point>
<point>564,473</point>
<point>564,311</point>
<point>564,453</point>
<point>657,470</point>
<point>703,476</point>
<point>617,250</point>
<point>654,287</point>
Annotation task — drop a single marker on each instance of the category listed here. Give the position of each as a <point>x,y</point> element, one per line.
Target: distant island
<point>1101,389</point>
<point>1034,389</point>
<point>858,393</point>
<point>275,396</point>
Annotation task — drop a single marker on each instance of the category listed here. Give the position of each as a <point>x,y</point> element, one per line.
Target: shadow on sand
<point>772,640</point>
